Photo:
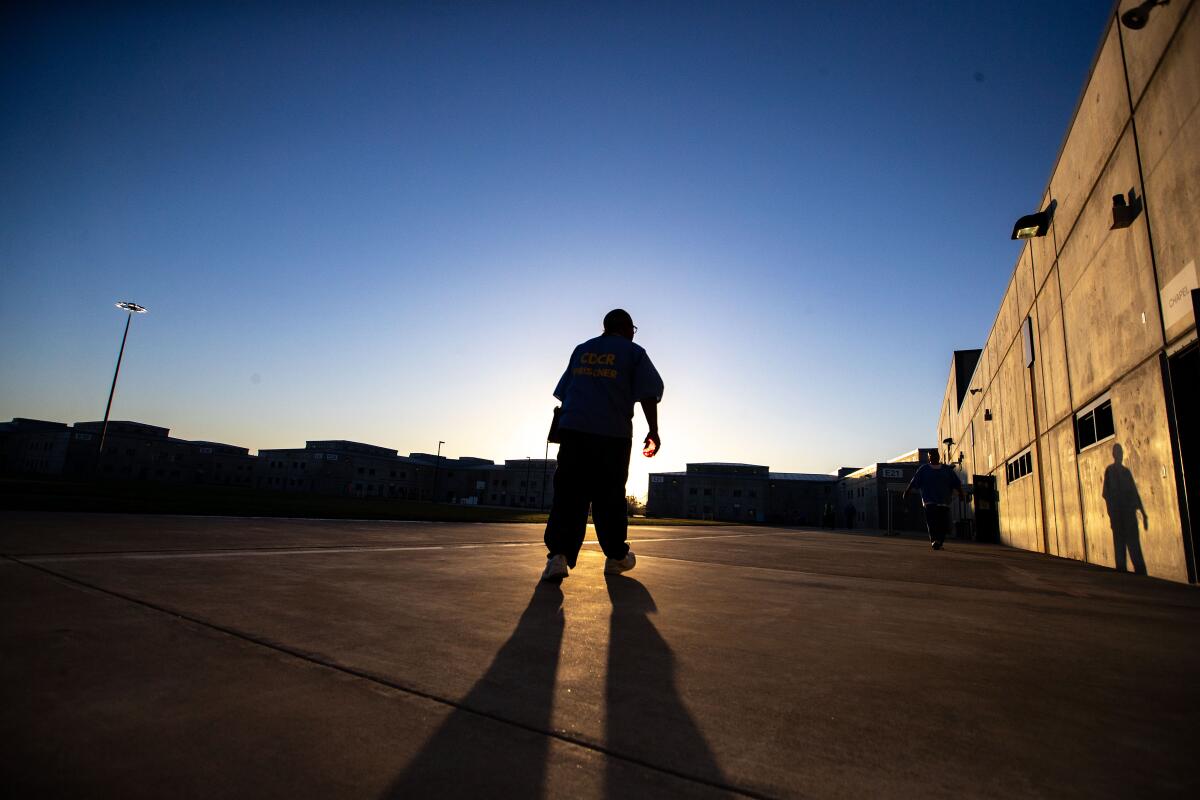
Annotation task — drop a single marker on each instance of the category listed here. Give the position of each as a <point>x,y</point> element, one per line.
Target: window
<point>692,490</point>
<point>737,492</point>
<point>754,493</point>
<point>1019,467</point>
<point>1094,424</point>
<point>708,492</point>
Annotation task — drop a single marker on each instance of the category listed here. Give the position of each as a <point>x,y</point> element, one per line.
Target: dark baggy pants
<point>592,469</point>
<point>937,520</point>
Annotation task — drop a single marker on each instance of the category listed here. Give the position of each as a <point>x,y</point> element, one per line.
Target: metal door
<point>987,516</point>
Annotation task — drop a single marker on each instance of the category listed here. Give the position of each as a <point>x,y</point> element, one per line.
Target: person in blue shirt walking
<point>605,377</point>
<point>936,482</point>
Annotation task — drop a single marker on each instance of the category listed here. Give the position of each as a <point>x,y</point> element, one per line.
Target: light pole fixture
<point>131,308</point>
<point>1034,225</point>
<point>976,391</point>
<point>1136,18</point>
<point>436,464</point>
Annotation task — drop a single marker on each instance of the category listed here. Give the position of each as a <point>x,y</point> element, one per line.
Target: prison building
<point>1077,420</point>
<point>132,451</point>
<point>340,467</point>
<point>872,497</point>
<point>735,492</point>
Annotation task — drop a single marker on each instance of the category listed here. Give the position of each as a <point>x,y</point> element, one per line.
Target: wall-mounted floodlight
<point>1136,18</point>
<point>1033,225</point>
<point>1125,211</point>
<point>976,391</point>
<point>987,415</point>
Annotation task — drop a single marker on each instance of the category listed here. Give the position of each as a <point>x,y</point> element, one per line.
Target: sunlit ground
<point>352,659</point>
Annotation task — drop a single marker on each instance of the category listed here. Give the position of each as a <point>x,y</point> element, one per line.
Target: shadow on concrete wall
<point>646,719</point>
<point>461,759</point>
<point>1123,501</point>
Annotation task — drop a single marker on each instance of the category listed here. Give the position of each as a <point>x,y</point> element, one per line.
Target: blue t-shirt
<point>935,484</point>
<point>604,379</point>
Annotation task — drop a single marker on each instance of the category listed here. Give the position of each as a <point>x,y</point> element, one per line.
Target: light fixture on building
<point>1136,18</point>
<point>1033,225</point>
<point>987,415</point>
<point>1125,211</point>
<point>976,391</point>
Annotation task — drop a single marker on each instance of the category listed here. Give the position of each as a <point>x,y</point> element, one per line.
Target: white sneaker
<point>614,567</point>
<point>556,568</point>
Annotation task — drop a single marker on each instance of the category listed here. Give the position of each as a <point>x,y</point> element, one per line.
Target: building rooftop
<point>724,464</point>
<point>801,476</point>
<point>345,446</point>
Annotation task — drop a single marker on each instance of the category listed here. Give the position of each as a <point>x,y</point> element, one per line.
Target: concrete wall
<point>1093,296</point>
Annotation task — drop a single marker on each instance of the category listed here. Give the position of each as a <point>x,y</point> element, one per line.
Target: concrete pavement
<point>183,656</point>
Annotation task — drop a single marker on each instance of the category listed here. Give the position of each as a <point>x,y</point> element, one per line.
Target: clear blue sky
<point>391,222</point>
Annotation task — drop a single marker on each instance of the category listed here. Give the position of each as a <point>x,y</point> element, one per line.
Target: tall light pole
<point>437,463</point>
<point>528,496</point>
<point>132,308</point>
<point>545,465</point>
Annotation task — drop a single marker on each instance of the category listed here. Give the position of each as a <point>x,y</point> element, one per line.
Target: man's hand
<point>650,409</point>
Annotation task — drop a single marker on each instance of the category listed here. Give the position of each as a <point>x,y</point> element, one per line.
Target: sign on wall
<point>1177,295</point>
<point>891,472</point>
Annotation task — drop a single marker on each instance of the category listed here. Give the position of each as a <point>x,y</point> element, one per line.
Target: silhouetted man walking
<point>936,482</point>
<point>603,380</point>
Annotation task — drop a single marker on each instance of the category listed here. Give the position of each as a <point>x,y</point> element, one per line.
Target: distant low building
<point>870,497</point>
<point>521,483</point>
<point>332,467</point>
<point>34,446</point>
<point>132,451</point>
<point>735,492</point>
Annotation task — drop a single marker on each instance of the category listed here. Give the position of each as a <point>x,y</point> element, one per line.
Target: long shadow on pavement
<point>460,759</point>
<point>646,718</point>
